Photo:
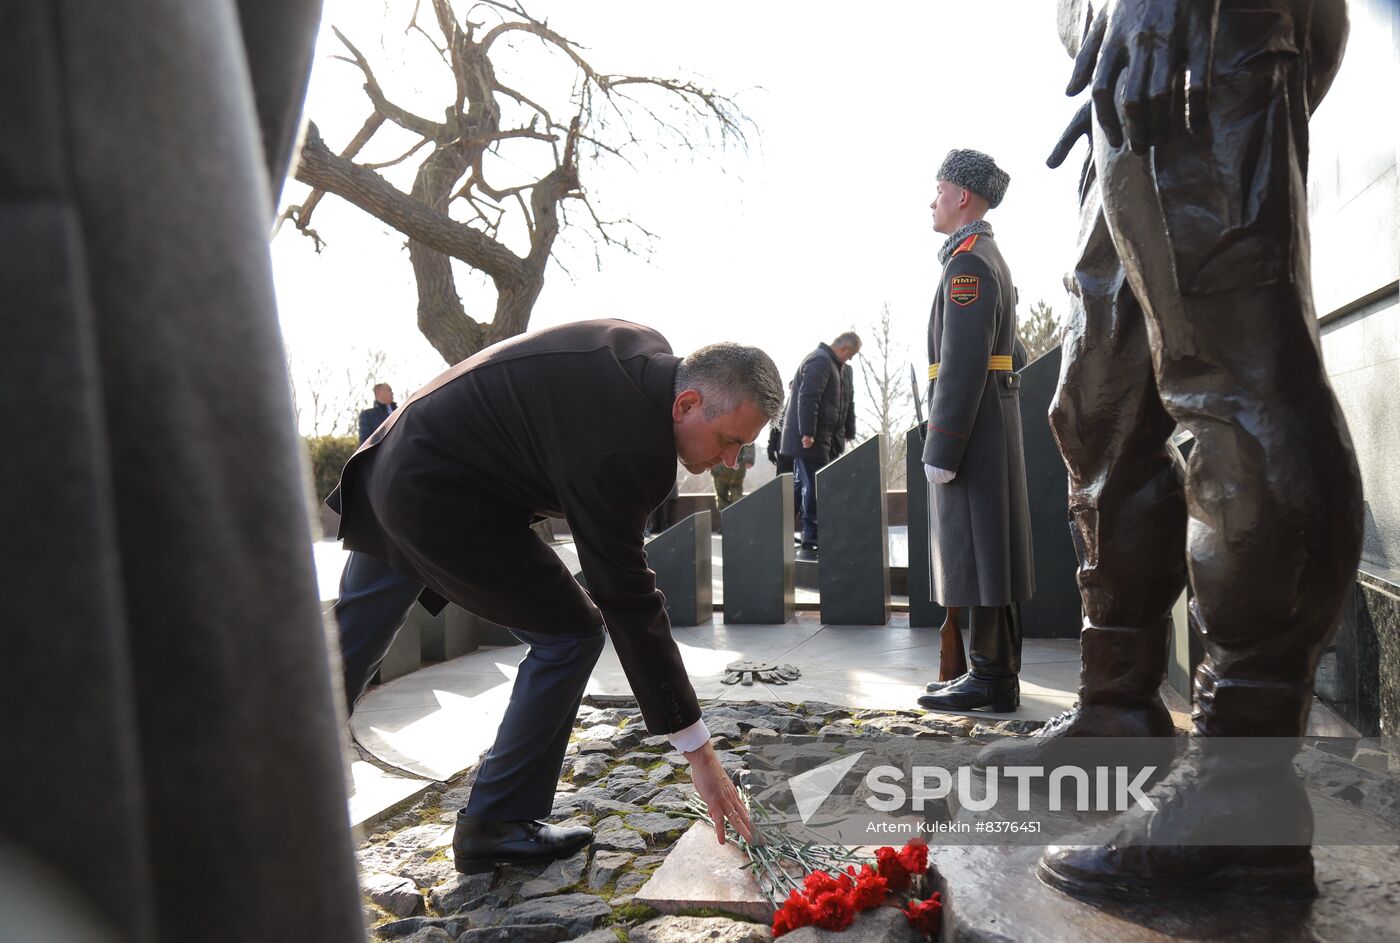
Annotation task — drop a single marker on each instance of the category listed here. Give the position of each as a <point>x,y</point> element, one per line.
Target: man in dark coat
<point>583,421</point>
<point>378,412</point>
<point>813,410</point>
<point>845,431</point>
<point>979,516</point>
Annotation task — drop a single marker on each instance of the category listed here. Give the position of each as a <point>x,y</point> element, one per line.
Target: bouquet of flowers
<point>831,902</point>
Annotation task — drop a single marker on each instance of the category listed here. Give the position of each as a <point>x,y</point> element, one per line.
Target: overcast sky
<point>821,222</point>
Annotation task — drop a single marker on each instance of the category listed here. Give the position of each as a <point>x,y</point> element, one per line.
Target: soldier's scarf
<point>978,227</point>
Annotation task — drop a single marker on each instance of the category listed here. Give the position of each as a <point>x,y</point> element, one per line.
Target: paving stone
<point>1372,758</point>
<point>723,727</point>
<point>629,737</point>
<point>405,929</point>
<point>397,895</point>
<point>597,746</point>
<point>611,835</point>
<point>559,876</point>
<point>786,723</point>
<point>662,741</point>
<point>639,794</point>
<point>517,933</point>
<point>699,873</point>
<point>672,929</point>
<point>881,925</point>
<point>381,858</point>
<point>621,900</point>
<point>824,710</point>
<point>577,913</point>
<point>638,758</point>
<point>589,767</point>
<point>455,893</point>
<point>648,861</point>
<point>605,867</point>
<point>628,882</point>
<point>430,935</point>
<point>605,935</point>
<point>589,799</point>
<point>673,798</point>
<point>832,732</point>
<point>657,826</point>
<point>661,774</point>
<point>626,771</point>
<point>593,717</point>
<point>422,836</point>
<point>426,869</point>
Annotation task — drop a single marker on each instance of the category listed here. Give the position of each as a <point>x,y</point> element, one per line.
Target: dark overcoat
<point>372,417</point>
<point>814,407</point>
<point>571,421</point>
<point>979,523</point>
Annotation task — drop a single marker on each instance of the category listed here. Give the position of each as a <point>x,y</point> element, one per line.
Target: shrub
<point>328,455</point>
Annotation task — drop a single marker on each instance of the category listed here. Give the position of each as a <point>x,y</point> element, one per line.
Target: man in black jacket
<point>583,421</point>
<point>383,405</point>
<point>813,411</point>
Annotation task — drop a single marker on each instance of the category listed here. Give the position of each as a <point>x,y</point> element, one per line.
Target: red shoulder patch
<point>967,244</point>
<point>964,289</point>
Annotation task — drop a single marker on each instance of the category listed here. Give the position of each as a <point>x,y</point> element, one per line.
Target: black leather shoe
<point>971,692</point>
<point>479,845</point>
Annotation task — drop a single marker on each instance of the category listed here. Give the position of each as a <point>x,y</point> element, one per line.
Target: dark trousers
<point>807,490</point>
<point>373,604</point>
<point>516,781</point>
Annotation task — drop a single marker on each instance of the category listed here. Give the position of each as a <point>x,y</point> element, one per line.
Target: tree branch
<point>376,196</point>
<point>400,116</point>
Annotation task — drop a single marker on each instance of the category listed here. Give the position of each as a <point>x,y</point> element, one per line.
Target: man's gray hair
<point>848,339</point>
<point>725,375</point>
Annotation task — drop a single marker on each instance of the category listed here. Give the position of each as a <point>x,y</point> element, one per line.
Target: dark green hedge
<point>328,454</point>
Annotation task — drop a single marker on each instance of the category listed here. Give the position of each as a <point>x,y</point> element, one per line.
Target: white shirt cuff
<point>691,738</point>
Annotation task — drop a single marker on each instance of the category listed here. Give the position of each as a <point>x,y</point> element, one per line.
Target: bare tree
<point>887,407</point>
<point>466,154</point>
<point>1040,331</point>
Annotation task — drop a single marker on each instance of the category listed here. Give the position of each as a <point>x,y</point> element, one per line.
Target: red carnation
<point>834,910</point>
<point>892,869</point>
<point>925,915</point>
<point>870,888</point>
<point>914,857</point>
<point>794,914</point>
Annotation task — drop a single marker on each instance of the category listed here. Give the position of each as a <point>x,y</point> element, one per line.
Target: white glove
<point>938,476</point>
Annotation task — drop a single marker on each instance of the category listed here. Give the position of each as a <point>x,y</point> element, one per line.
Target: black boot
<point>479,845</point>
<point>1232,816</point>
<point>995,659</point>
<point>1121,672</point>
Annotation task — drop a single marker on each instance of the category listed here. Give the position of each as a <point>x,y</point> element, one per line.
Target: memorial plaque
<point>923,611</point>
<point>853,535</point>
<point>680,558</point>
<point>759,556</point>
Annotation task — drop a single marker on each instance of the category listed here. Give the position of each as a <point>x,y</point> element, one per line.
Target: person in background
<point>729,482</point>
<point>810,422</point>
<point>378,411</point>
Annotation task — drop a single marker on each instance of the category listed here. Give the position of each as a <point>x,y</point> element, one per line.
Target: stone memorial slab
<point>853,535</point>
<point>699,873</point>
<point>405,654</point>
<point>1054,611</point>
<point>680,558</point>
<point>758,556</point>
<point>923,611</point>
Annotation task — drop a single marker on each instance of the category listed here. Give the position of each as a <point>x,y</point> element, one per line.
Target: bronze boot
<point>1121,672</point>
<point>1231,817</point>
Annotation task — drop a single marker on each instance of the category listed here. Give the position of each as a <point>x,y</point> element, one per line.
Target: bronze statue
<point>1192,305</point>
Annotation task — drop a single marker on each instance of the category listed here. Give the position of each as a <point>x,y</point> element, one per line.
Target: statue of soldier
<point>1192,305</point>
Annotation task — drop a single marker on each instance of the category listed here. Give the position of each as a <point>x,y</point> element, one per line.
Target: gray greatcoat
<point>979,523</point>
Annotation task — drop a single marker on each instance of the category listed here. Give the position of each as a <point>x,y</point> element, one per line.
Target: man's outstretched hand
<point>719,793</point>
<point>1158,48</point>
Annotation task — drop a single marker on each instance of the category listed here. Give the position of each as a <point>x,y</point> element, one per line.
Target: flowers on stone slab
<point>831,901</point>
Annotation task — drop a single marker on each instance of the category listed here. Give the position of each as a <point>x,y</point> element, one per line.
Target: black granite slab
<point>923,611</point>
<point>759,556</point>
<point>854,554</point>
<point>1054,611</point>
<point>680,557</point>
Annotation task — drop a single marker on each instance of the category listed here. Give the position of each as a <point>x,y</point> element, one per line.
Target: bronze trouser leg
<point>1272,488</point>
<point>1127,513</point>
